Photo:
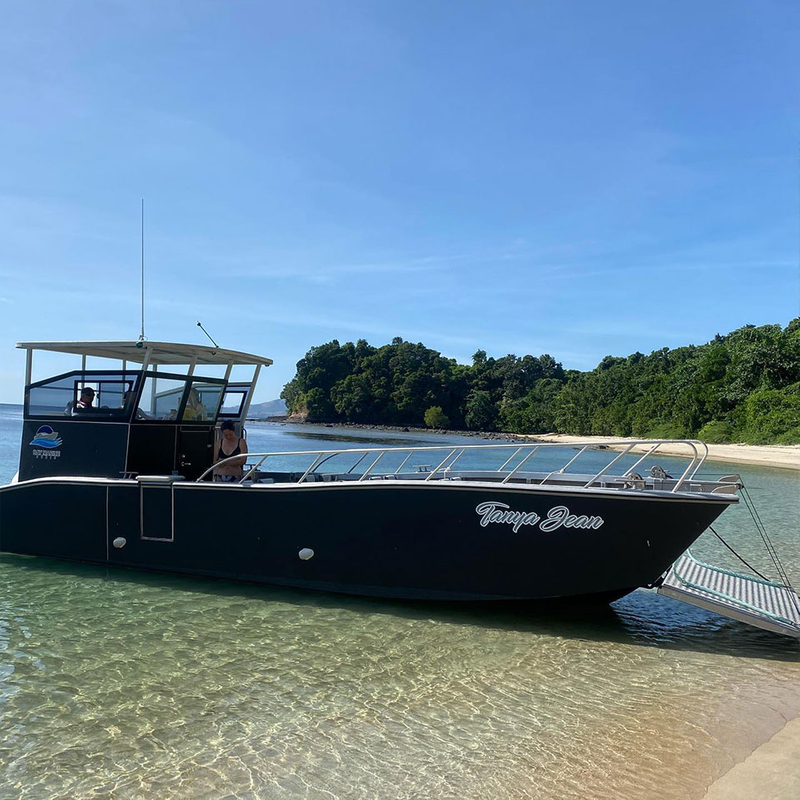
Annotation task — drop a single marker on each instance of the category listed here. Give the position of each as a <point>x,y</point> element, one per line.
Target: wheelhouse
<point>157,413</point>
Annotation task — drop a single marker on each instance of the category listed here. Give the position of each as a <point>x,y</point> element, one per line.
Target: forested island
<point>741,387</point>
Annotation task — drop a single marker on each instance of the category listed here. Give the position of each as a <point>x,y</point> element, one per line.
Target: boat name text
<point>557,517</point>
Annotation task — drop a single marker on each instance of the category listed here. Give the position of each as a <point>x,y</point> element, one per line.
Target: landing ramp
<point>764,604</point>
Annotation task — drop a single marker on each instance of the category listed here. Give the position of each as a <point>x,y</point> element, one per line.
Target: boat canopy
<point>147,352</point>
<point>154,414</point>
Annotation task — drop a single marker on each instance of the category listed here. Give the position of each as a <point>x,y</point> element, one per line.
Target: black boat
<point>127,479</point>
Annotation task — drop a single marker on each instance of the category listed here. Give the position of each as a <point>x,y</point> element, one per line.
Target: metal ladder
<point>764,604</point>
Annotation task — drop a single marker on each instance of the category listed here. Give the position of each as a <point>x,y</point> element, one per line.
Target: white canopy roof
<point>159,352</point>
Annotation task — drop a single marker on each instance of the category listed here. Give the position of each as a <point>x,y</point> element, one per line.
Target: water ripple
<point>129,685</point>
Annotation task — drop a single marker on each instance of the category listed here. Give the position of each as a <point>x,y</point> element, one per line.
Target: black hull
<point>381,539</point>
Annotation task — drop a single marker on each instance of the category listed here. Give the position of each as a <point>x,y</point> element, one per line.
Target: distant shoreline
<point>773,455</point>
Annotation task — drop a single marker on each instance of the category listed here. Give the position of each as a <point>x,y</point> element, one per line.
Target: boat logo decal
<point>46,440</point>
<point>492,512</point>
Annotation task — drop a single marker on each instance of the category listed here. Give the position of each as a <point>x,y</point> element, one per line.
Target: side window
<point>82,393</point>
<point>232,403</point>
<point>53,399</point>
<point>161,398</point>
<point>109,396</point>
<point>202,402</point>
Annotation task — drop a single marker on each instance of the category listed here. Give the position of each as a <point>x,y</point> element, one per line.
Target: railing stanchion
<point>449,467</point>
<point>514,471</point>
<point>311,468</point>
<point>253,468</point>
<point>648,453</point>
<point>509,460</point>
<point>452,452</point>
<point>410,453</point>
<point>363,456</point>
<point>369,468</point>
<point>688,469</point>
<point>573,459</point>
<point>608,466</point>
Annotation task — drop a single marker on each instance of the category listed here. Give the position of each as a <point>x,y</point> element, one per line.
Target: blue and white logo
<point>46,437</point>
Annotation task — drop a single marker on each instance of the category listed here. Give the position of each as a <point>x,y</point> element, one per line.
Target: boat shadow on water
<point>642,618</point>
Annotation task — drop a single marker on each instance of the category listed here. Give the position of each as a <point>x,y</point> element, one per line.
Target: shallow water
<point>133,685</point>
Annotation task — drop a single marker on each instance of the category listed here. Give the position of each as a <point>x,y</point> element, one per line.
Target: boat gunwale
<point>645,495</point>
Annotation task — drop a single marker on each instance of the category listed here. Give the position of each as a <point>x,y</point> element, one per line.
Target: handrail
<point>608,466</point>
<point>514,471</point>
<point>697,453</point>
<point>648,453</point>
<point>369,468</point>
<point>314,464</point>
<point>574,458</point>
<point>364,455</point>
<point>452,452</point>
<point>509,459</point>
<point>405,460</point>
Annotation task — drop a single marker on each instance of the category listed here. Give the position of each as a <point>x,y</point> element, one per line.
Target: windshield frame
<point>144,416</point>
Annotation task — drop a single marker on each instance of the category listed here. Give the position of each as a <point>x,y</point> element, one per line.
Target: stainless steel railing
<point>696,453</point>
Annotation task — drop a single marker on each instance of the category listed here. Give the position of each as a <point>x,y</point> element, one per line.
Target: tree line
<point>744,387</point>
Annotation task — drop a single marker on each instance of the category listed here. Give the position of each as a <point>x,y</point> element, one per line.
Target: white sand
<point>783,456</point>
<point>771,772</point>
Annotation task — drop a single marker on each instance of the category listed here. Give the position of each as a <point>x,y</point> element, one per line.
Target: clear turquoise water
<point>132,685</point>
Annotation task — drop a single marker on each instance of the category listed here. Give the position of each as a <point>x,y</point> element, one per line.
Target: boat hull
<point>401,539</point>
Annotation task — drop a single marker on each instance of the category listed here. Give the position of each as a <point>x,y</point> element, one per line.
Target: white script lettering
<point>500,512</point>
<point>557,517</point>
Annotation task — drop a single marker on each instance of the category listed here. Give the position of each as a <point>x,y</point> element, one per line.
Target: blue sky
<point>577,178</point>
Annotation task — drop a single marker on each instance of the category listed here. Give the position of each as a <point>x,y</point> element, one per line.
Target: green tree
<point>436,418</point>
<point>771,416</point>
<point>738,385</point>
<point>319,406</point>
<point>481,413</point>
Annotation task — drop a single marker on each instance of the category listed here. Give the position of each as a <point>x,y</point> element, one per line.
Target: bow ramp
<point>762,603</point>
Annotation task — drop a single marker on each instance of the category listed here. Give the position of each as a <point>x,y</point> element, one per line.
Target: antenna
<point>141,335</point>
<point>200,325</point>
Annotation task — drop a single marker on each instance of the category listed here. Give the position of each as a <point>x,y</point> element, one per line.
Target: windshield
<point>174,397</point>
<point>202,402</point>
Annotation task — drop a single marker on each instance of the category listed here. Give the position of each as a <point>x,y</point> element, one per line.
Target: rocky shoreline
<point>360,426</point>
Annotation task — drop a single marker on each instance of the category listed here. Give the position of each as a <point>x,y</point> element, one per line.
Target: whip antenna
<point>200,325</point>
<point>141,335</point>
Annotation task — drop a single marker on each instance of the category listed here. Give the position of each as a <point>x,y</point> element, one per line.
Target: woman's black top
<point>236,452</point>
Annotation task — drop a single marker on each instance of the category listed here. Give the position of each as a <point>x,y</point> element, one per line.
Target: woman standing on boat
<point>230,445</point>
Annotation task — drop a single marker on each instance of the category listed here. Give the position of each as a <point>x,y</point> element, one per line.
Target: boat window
<point>52,399</point>
<point>202,402</point>
<point>59,396</point>
<point>233,403</point>
<point>161,398</point>
<point>110,395</point>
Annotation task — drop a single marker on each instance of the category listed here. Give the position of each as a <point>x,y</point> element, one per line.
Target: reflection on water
<point>134,685</point>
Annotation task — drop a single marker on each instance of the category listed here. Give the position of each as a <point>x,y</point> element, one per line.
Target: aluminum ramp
<point>754,601</point>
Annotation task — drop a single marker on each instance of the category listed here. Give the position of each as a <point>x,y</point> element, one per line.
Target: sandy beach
<point>771,771</point>
<point>782,456</point>
<point>775,455</point>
